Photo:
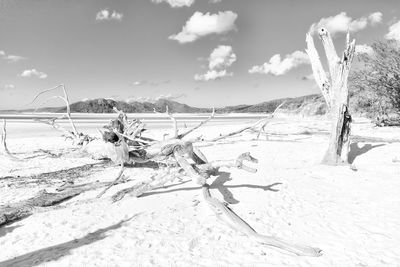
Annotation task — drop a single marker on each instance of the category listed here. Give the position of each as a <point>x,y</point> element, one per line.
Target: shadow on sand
<point>219,184</point>
<point>57,251</point>
<point>5,230</point>
<point>356,151</point>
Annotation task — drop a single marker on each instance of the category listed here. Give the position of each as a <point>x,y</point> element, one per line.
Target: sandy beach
<point>352,213</point>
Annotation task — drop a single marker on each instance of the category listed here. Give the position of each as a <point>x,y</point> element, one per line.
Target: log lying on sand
<point>16,211</point>
<point>240,225</point>
<point>22,209</point>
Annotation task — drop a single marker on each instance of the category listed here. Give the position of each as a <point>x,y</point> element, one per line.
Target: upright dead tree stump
<point>335,91</point>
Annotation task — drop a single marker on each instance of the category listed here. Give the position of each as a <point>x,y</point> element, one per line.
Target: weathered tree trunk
<point>21,209</point>
<point>24,208</point>
<point>336,93</point>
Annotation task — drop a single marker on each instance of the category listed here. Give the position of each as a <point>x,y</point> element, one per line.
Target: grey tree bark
<point>335,91</point>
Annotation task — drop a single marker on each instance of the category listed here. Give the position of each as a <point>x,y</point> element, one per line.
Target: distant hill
<point>307,105</point>
<point>106,106</point>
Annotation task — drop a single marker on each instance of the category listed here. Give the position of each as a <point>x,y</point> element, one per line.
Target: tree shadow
<point>356,151</point>
<point>5,230</point>
<point>57,251</point>
<point>219,183</point>
<point>224,177</point>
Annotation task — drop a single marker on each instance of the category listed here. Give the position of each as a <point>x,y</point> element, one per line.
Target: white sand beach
<point>352,214</point>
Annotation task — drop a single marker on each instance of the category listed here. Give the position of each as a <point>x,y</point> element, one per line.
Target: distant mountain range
<point>308,105</point>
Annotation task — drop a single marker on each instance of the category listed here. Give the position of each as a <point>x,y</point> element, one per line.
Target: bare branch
<point>4,141</point>
<point>330,51</point>
<point>262,128</point>
<point>318,71</point>
<point>48,100</point>
<point>52,123</point>
<point>65,99</point>
<point>173,119</point>
<point>114,182</point>
<point>242,226</point>
<point>234,163</point>
<point>198,126</point>
<point>250,127</point>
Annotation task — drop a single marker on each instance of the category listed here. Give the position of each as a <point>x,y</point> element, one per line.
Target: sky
<point>200,52</point>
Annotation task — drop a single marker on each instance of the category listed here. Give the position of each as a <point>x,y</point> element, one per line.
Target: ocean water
<point>24,124</point>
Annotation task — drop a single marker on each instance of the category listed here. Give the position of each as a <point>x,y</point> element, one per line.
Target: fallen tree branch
<point>56,126</point>
<point>114,182</point>
<point>240,225</point>
<point>180,136</point>
<point>157,181</point>
<point>262,128</point>
<point>233,219</point>
<point>4,142</point>
<point>265,121</point>
<point>22,209</point>
<point>214,166</point>
<point>180,152</point>
<point>174,122</point>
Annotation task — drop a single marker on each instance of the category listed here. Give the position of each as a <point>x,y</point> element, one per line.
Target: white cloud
<point>10,58</point>
<point>175,3</point>
<point>277,66</point>
<point>150,83</point>
<point>364,49</point>
<point>200,25</point>
<point>154,99</point>
<point>211,75</point>
<point>394,31</point>
<point>375,18</point>
<point>219,60</point>
<point>14,58</point>
<point>215,1</point>
<point>221,57</point>
<point>106,14</point>
<point>33,72</point>
<point>7,86</point>
<point>342,22</point>
<point>170,96</point>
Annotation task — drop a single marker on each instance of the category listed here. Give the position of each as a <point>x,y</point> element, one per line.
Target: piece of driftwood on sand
<point>181,155</point>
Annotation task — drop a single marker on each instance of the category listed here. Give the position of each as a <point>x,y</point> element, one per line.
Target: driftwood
<point>335,92</point>
<point>119,176</point>
<point>263,122</point>
<point>22,209</point>
<point>4,142</point>
<point>78,137</point>
<point>242,226</point>
<point>174,122</point>
<point>25,208</point>
<point>130,148</point>
<point>180,136</point>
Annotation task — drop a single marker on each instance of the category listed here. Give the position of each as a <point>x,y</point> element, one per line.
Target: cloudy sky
<point>200,52</point>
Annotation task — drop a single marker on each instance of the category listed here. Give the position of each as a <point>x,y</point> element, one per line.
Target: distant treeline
<point>309,105</point>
